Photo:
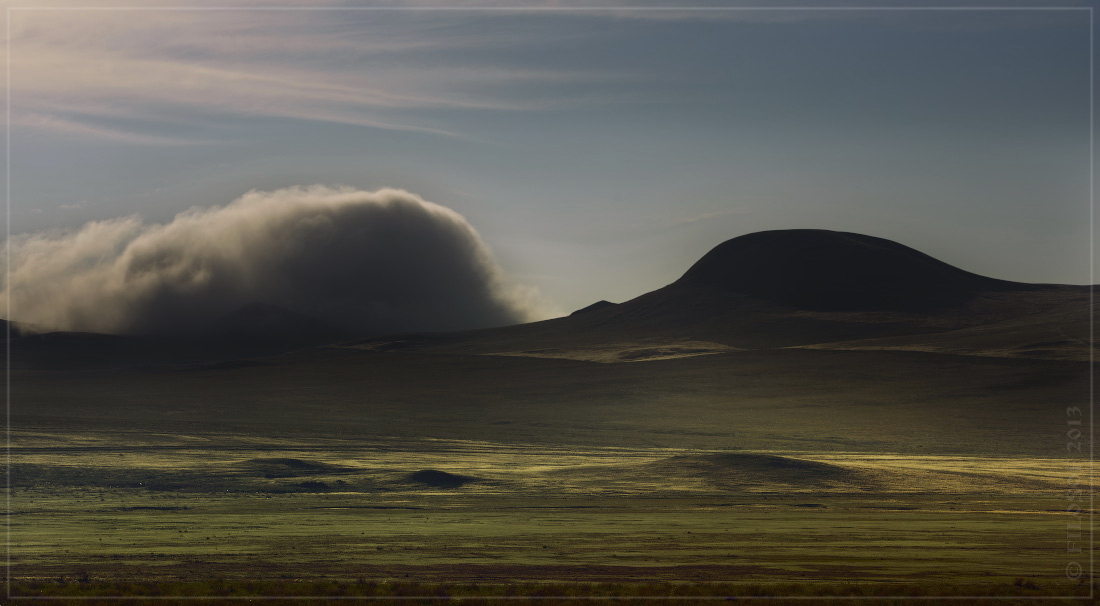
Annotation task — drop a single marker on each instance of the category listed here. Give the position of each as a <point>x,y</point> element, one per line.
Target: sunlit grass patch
<point>314,508</point>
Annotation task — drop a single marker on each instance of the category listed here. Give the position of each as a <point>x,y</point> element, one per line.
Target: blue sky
<point>598,152</point>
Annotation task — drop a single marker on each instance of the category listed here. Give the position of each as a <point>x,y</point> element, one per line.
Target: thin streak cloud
<point>57,124</point>
<point>302,65</point>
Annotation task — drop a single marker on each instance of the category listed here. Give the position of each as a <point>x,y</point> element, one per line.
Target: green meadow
<point>331,473</point>
<point>181,511</point>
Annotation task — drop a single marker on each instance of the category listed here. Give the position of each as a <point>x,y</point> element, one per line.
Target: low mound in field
<point>440,479</point>
<point>738,469</point>
<point>289,468</point>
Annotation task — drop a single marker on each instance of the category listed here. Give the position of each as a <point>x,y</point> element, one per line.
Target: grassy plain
<point>742,473</point>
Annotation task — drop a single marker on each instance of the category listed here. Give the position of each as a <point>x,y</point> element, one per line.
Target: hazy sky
<point>598,153</point>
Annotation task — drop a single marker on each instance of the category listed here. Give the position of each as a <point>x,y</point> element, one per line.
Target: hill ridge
<point>766,290</point>
<point>832,270</point>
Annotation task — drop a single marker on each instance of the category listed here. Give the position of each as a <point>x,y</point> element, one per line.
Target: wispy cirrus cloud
<point>72,69</point>
<point>57,124</point>
<point>391,65</point>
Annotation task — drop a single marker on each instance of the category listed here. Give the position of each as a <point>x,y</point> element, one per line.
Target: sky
<point>596,150</point>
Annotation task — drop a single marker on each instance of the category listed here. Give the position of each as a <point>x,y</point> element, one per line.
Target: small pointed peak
<point>593,307</point>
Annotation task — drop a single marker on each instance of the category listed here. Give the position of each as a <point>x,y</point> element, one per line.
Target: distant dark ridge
<point>593,307</point>
<point>259,320</point>
<point>19,329</point>
<point>840,271</point>
<point>255,322</point>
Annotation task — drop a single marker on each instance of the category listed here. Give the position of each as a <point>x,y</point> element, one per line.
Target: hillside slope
<point>767,290</point>
<point>798,288</point>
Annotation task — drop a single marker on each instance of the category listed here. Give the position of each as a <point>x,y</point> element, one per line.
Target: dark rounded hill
<point>831,270</point>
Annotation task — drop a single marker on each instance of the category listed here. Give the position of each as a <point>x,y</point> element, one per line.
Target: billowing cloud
<point>382,261</point>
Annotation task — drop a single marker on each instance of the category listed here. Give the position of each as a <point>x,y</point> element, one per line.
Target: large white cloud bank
<point>370,262</point>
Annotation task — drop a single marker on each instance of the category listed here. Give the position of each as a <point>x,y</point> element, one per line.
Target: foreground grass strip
<point>86,592</point>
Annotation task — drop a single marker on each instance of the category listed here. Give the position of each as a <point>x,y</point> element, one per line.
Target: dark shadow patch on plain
<point>280,467</point>
<point>440,479</point>
<point>560,507</point>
